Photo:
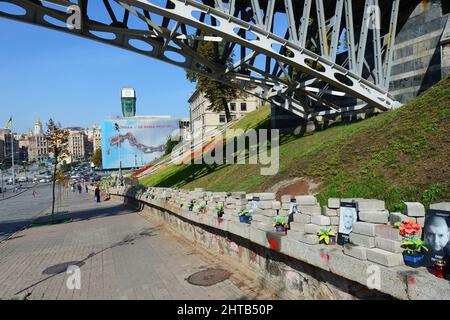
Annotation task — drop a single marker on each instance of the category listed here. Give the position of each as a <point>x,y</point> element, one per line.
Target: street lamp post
<point>1,169</point>
<point>117,128</point>
<point>12,161</point>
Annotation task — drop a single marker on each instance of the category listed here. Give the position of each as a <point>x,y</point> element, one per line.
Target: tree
<point>216,92</point>
<point>97,158</point>
<point>170,144</point>
<point>57,139</point>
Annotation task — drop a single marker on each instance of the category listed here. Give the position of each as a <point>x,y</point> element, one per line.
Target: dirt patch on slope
<point>295,187</point>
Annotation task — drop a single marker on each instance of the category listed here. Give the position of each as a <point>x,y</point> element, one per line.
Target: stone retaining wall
<point>295,265</point>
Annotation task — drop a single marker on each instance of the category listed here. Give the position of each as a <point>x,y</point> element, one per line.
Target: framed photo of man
<point>348,216</point>
<point>436,237</point>
<point>292,211</point>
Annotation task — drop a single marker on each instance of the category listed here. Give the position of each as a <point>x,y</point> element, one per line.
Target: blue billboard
<point>139,139</point>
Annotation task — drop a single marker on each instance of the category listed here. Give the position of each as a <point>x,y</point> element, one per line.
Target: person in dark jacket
<point>97,194</point>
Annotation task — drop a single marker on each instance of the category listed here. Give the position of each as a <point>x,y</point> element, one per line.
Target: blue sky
<point>45,73</point>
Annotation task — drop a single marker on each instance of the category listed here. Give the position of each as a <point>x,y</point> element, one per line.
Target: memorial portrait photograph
<point>348,216</point>
<point>436,236</point>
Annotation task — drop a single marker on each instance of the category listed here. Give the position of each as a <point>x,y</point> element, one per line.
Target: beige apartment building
<point>37,144</point>
<point>97,138</point>
<point>204,120</point>
<point>79,147</point>
<point>38,148</point>
<point>6,146</point>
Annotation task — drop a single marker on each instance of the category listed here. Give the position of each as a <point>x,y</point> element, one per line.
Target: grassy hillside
<point>398,155</point>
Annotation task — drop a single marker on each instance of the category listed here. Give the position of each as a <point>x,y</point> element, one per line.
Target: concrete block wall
<point>282,260</point>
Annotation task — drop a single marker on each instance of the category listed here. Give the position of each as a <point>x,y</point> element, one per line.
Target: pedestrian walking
<point>86,187</point>
<point>79,188</point>
<point>34,193</point>
<point>97,194</point>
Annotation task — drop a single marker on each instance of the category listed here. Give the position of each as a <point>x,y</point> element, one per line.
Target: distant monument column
<point>128,97</point>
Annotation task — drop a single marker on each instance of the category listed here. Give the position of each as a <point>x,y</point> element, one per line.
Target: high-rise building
<point>2,150</point>
<point>97,137</point>
<point>6,137</point>
<point>38,145</point>
<point>24,145</point>
<point>128,98</point>
<point>79,147</point>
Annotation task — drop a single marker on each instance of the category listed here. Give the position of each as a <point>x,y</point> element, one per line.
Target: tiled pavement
<point>120,254</point>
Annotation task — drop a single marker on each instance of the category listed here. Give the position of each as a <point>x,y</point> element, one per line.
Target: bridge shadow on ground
<point>129,239</point>
<point>95,213</point>
<point>9,227</point>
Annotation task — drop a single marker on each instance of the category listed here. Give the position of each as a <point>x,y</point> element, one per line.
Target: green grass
<point>400,155</point>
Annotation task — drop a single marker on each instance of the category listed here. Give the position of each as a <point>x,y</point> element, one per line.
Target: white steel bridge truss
<point>311,59</point>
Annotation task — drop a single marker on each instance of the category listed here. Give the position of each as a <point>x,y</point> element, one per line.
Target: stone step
<point>364,228</point>
<point>385,258</point>
<point>321,220</point>
<point>355,251</point>
<point>381,217</point>
<point>311,228</point>
<point>361,240</point>
<point>306,200</point>
<point>388,245</point>
<point>414,209</point>
<point>334,203</point>
<point>313,210</point>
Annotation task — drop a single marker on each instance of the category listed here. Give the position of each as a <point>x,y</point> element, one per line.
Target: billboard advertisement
<point>137,140</point>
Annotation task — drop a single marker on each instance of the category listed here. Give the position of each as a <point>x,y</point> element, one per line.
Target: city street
<point>18,211</point>
<point>120,254</point>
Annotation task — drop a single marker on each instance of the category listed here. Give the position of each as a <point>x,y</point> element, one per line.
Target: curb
<point>17,194</point>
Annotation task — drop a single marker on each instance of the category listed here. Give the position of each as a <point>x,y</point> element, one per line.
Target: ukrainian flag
<point>9,124</point>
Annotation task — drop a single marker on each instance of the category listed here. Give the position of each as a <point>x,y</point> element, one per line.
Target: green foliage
<point>65,167</point>
<point>191,203</point>
<point>244,213</point>
<point>217,93</point>
<point>324,234</point>
<point>97,158</point>
<point>57,140</point>
<point>280,221</point>
<point>170,144</point>
<point>413,245</point>
<point>433,194</point>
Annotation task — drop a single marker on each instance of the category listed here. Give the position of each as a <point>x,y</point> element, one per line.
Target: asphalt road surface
<point>19,211</point>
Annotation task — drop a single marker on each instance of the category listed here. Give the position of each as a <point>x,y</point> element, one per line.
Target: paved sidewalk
<point>120,254</point>
<point>19,211</point>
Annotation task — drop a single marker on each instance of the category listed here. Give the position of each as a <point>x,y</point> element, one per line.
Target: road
<point>17,212</point>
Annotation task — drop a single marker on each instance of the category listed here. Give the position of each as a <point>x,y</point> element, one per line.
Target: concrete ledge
<point>399,282</point>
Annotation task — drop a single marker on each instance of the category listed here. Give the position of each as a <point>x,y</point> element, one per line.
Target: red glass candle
<point>439,268</point>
